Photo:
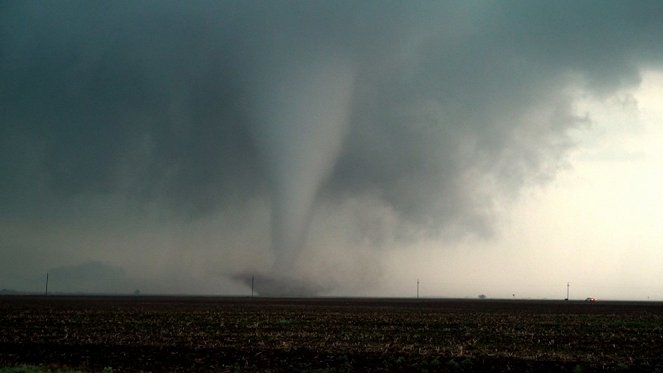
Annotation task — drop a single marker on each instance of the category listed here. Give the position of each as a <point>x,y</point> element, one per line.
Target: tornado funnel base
<point>281,286</point>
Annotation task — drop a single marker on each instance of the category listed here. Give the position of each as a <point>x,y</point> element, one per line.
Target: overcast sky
<point>499,148</point>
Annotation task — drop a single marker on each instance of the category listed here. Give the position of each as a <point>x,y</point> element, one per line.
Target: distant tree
<point>136,292</point>
<point>482,296</point>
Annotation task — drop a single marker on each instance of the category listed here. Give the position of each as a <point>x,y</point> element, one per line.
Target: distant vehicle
<point>591,300</point>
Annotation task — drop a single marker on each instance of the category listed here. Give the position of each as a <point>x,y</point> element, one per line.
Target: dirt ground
<point>144,333</point>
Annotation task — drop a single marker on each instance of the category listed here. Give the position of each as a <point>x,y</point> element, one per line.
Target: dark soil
<point>267,334</point>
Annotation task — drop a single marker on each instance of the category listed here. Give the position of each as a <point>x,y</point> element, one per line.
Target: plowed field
<point>328,334</point>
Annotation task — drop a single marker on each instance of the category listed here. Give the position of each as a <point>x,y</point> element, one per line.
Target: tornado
<point>301,110</point>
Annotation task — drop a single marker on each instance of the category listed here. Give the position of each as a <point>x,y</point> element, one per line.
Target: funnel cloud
<point>297,141</point>
<point>301,113</point>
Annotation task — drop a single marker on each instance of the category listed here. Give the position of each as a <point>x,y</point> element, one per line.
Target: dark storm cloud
<point>114,98</point>
<point>147,97</point>
<point>452,104</point>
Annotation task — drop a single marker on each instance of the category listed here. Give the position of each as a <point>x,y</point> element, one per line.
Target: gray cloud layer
<point>165,106</point>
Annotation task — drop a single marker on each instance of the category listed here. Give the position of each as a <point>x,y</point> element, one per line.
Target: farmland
<point>328,334</point>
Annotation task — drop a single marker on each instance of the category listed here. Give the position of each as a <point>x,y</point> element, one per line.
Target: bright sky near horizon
<point>598,225</point>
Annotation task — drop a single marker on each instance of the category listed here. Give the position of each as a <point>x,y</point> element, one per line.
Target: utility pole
<point>567,290</point>
<point>417,288</point>
<point>252,278</point>
<point>46,292</point>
